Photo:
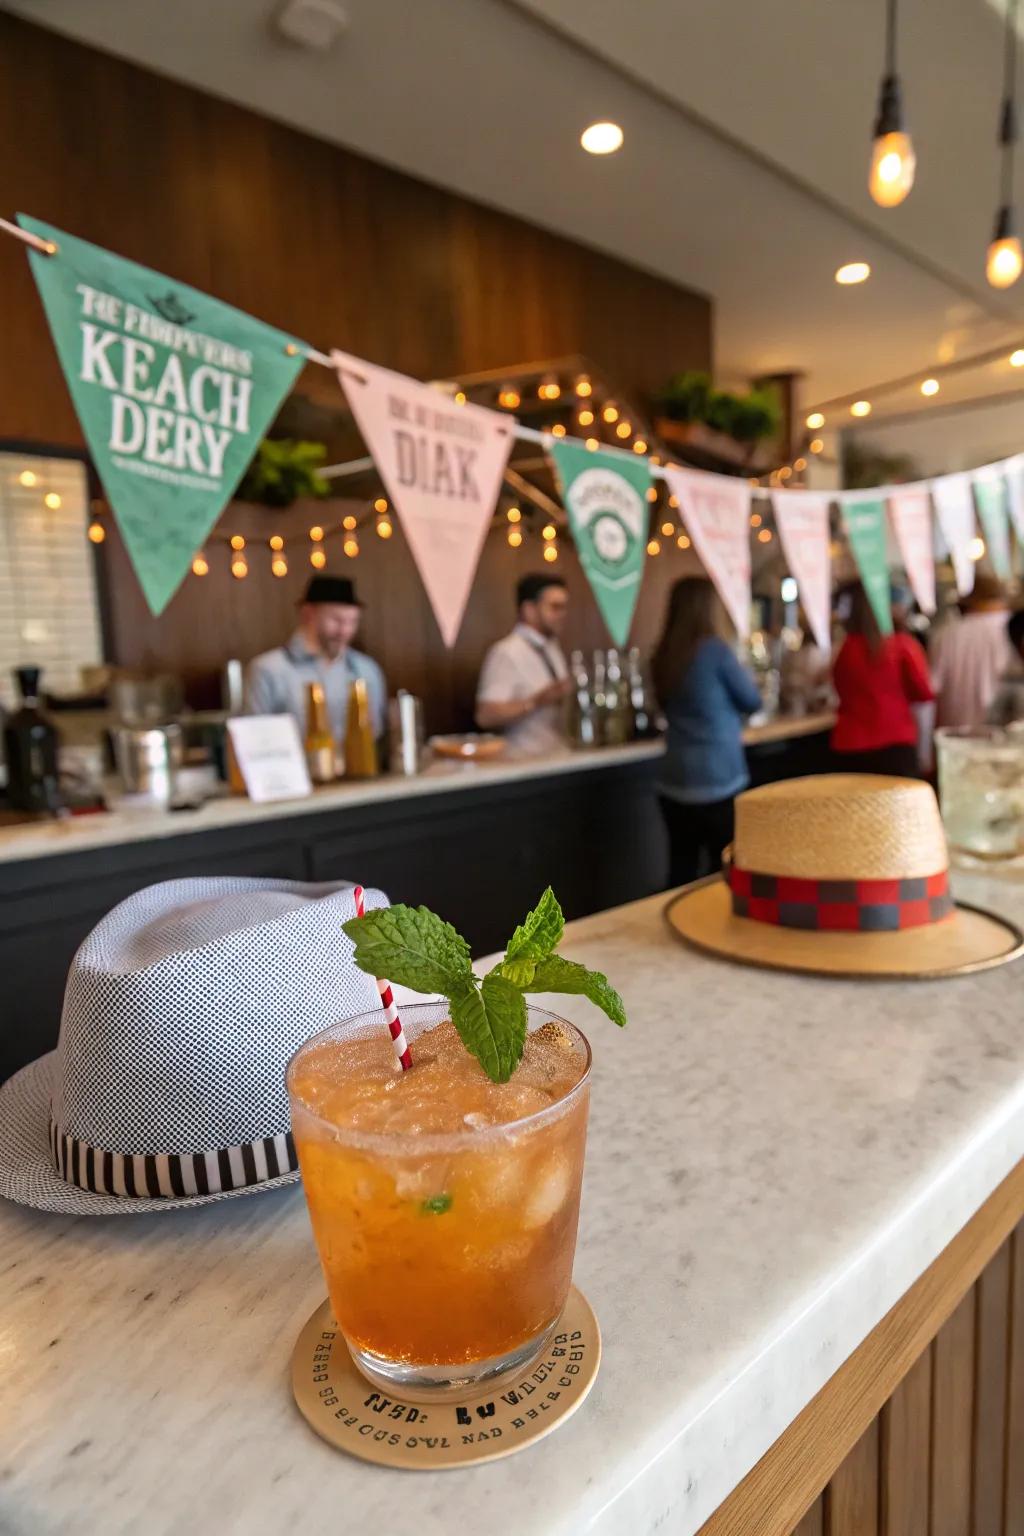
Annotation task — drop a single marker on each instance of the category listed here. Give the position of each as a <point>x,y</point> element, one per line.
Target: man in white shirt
<point>525,680</point>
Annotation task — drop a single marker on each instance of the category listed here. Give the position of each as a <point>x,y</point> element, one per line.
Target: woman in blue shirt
<point>705,694</point>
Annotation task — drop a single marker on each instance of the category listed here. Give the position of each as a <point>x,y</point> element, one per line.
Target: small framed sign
<point>268,750</point>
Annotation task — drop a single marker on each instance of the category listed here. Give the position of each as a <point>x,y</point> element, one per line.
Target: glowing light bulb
<point>653,547</point>
<point>930,387</point>
<point>788,590</point>
<point>385,528</point>
<point>651,493</point>
<point>799,465</point>
<point>514,515</point>
<point>668,529</point>
<point>682,542</point>
<point>558,430</point>
<point>586,418</point>
<point>673,501</point>
<point>52,500</point>
<point>853,272</point>
<point>583,386</point>
<point>351,546</point>
<point>976,548</point>
<point>1017,358</point>
<point>237,542</point>
<point>549,531</point>
<point>815,420</point>
<point>860,408</point>
<point>601,138</point>
<point>624,429</point>
<point>509,397</point>
<point>610,413</point>
<point>551,552</point>
<point>892,168</point>
<point>639,446</point>
<point>239,568</point>
<point>755,519</point>
<point>316,534</point>
<point>1004,262</point>
<point>817,445</point>
<point>28,478</point>
<point>317,559</point>
<point>785,472</point>
<point>381,504</point>
<point>515,537</point>
<point>279,566</point>
<point>765,536</point>
<point>593,444</point>
<point>97,533</point>
<point>460,397</point>
<point>348,523</point>
<point>276,542</point>
<point>200,566</point>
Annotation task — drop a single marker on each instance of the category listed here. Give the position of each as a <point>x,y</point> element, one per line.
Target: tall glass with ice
<point>444,1205</point>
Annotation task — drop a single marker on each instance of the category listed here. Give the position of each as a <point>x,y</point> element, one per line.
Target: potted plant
<point>284,471</point>
<point>716,422</point>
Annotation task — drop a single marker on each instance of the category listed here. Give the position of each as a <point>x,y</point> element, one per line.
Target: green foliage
<point>691,397</point>
<point>284,471</point>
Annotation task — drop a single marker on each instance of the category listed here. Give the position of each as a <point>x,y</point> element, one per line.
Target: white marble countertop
<point>773,1160</point>
<point>79,834</point>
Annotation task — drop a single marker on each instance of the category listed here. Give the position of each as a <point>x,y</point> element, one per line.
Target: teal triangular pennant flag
<point>864,521</point>
<point>991,500</point>
<point>174,390</point>
<point>605,496</point>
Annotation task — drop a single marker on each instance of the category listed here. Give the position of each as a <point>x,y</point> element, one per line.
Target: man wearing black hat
<point>320,651</point>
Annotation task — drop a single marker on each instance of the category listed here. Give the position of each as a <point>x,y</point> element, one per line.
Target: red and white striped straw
<point>387,1000</point>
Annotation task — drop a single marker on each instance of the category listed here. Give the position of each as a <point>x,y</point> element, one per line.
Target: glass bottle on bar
<point>30,750</point>
<point>641,697</point>
<point>582,714</point>
<point>321,751</point>
<point>360,745</point>
<point>598,697</point>
<point>618,714</point>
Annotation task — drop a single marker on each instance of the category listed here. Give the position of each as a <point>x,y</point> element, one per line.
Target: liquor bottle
<point>582,715</point>
<point>599,697</point>
<point>30,750</point>
<point>618,714</point>
<point>360,746</point>
<point>644,721</point>
<point>320,747</point>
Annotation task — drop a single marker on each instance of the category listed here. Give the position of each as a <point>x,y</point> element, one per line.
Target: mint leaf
<point>412,946</point>
<point>436,1205</point>
<point>491,1022</point>
<point>557,975</point>
<point>535,938</point>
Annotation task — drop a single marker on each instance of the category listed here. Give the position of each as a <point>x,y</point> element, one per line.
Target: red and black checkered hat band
<point>848,906</point>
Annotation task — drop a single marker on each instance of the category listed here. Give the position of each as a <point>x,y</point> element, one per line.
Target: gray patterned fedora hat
<point>182,1009</point>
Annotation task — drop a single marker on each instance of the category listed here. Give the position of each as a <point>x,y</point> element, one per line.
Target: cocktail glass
<point>448,1255</point>
<point>981,791</point>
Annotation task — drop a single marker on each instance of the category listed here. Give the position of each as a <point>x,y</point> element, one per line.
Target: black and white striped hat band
<point>168,1175</point>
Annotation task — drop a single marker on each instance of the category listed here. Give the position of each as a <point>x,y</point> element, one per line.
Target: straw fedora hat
<point>182,1009</point>
<point>845,875</point>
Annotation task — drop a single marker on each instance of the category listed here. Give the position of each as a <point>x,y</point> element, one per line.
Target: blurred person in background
<point>877,678</point>
<point>969,656</point>
<point>706,695</point>
<point>1008,704</point>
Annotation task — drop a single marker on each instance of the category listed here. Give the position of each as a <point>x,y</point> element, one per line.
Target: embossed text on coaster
<point>503,1418</point>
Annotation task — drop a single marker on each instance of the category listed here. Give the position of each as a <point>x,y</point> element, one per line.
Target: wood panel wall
<point>328,246</point>
<point>945,1457</point>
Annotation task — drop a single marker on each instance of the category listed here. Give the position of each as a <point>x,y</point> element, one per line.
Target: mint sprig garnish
<point>417,949</point>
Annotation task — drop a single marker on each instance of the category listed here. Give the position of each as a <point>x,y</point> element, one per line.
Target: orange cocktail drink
<point>444,1205</point>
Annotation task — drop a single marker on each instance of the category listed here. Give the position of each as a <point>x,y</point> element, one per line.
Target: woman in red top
<point>877,678</point>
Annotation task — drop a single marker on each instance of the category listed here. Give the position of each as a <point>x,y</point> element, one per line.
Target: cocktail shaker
<point>405,719</point>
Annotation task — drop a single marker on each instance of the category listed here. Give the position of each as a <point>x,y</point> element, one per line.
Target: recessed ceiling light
<point>1017,358</point>
<point>860,408</point>
<point>853,272</point>
<point>815,420</point>
<point>601,138</point>
<point>929,386</point>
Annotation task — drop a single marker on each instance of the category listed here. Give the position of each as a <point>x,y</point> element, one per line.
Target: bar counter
<point>585,821</point>
<point>797,1234</point>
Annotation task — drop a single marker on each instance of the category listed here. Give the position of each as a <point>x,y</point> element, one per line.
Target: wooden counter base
<point>921,1431</point>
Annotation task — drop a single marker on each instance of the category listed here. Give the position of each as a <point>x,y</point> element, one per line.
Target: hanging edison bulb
<point>239,568</point>
<point>279,566</point>
<point>237,542</point>
<point>893,161</point>
<point>348,523</point>
<point>549,532</point>
<point>351,546</point>
<point>513,514</point>
<point>653,547</point>
<point>276,542</point>
<point>200,566</point>
<point>97,533</point>
<point>316,534</point>
<point>515,537</point>
<point>385,527</point>
<point>551,552</point>
<point>1004,260</point>
<point>317,559</point>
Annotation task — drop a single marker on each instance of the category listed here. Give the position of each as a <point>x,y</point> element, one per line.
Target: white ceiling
<point>747,134</point>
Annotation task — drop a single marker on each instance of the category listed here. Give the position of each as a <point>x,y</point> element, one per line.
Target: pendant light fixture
<point>1004,261</point>
<point>892,154</point>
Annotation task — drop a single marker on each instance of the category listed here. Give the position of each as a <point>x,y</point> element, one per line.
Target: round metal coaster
<point>510,1414</point>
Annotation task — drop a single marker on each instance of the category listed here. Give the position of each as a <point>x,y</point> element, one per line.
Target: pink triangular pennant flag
<point>441,464</point>
<point>716,510</point>
<point>954,508</point>
<point>802,520</point>
<point>911,514</point>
